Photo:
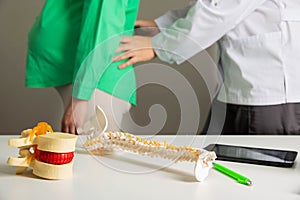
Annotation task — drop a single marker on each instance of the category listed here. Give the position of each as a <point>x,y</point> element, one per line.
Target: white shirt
<point>259,43</point>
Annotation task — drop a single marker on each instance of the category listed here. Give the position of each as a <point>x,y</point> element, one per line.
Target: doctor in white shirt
<point>259,54</point>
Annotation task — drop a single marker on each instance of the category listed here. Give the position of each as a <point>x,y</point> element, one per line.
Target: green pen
<point>239,178</point>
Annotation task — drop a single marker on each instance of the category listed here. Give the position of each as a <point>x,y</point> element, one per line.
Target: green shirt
<point>74,41</point>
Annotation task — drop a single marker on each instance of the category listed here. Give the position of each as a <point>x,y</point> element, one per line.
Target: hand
<point>146,28</point>
<point>145,23</point>
<point>73,116</point>
<point>136,48</point>
<point>67,122</point>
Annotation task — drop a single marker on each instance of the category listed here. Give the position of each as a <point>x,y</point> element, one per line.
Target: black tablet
<point>253,155</point>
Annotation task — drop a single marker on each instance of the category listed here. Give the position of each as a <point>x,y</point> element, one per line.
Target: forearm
<point>170,17</point>
<point>203,25</point>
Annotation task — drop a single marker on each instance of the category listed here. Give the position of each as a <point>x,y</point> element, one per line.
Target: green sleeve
<point>104,22</point>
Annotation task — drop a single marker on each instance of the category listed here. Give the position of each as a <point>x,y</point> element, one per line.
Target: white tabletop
<point>129,176</point>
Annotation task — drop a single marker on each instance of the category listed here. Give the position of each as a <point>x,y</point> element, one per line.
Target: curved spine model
<point>107,141</point>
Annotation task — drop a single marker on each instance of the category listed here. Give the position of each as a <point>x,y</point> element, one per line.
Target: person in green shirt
<point>61,41</point>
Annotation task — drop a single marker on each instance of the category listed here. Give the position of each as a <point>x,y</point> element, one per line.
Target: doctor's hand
<point>136,49</point>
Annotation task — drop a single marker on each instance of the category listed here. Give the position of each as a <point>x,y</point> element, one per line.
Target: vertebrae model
<point>107,141</point>
<point>50,154</point>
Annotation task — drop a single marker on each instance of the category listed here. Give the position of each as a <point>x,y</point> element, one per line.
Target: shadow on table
<point>174,173</point>
<point>7,171</point>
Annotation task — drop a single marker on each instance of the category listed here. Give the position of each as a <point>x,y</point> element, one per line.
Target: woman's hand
<point>145,23</point>
<point>136,49</point>
<point>146,28</point>
<point>67,122</point>
<point>74,116</point>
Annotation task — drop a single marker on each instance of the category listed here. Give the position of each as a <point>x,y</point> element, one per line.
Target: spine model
<point>49,154</point>
<point>108,141</point>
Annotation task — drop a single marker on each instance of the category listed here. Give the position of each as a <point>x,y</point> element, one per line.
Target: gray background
<point>22,107</point>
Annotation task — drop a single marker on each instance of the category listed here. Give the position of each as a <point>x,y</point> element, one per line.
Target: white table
<point>128,176</point>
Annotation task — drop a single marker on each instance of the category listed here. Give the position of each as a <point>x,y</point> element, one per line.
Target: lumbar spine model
<point>107,141</point>
<point>50,154</point>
